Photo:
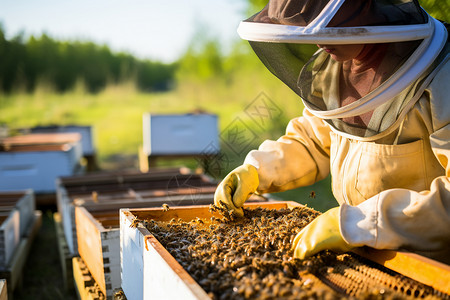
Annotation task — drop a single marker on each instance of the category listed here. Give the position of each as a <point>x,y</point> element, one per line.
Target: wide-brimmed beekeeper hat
<point>413,44</point>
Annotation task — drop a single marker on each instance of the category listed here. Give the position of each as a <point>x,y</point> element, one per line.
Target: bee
<point>312,195</point>
<point>165,207</point>
<point>134,223</point>
<point>94,196</point>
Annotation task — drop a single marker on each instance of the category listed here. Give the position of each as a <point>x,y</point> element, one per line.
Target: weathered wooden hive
<point>90,205</point>
<point>87,133</point>
<point>110,191</point>
<point>184,254</point>
<point>19,225</point>
<point>16,216</point>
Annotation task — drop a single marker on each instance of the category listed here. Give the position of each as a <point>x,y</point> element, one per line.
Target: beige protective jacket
<point>394,192</point>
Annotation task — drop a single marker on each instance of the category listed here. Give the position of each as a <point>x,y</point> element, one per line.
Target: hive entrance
<point>250,259</point>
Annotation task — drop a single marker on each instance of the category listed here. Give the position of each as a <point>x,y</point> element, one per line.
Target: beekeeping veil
<point>363,97</point>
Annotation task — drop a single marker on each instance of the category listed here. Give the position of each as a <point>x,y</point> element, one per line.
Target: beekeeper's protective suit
<point>378,123</point>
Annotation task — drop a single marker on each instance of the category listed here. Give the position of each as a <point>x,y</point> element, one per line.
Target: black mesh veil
<point>351,13</point>
<point>398,45</point>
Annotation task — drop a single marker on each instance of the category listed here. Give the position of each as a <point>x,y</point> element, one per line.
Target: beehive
<point>3,290</point>
<point>16,216</point>
<point>149,270</point>
<point>24,202</point>
<point>86,132</point>
<point>35,161</point>
<point>98,238</point>
<point>185,134</point>
<point>9,235</point>
<point>114,190</point>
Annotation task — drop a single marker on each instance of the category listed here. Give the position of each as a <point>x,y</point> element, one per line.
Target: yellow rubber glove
<point>322,233</point>
<point>237,187</point>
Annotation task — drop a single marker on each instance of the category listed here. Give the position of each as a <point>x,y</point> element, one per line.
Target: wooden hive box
<point>13,272</point>
<point>98,237</point>
<point>3,290</point>
<point>99,246</point>
<point>16,216</point>
<point>98,240</point>
<point>182,134</point>
<point>117,190</point>
<point>24,202</point>
<point>148,271</point>
<point>86,132</point>
<point>9,234</point>
<point>34,161</point>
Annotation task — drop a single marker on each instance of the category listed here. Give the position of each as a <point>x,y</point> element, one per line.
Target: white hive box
<point>98,239</point>
<point>24,202</point>
<point>188,134</point>
<point>86,132</point>
<point>9,235</point>
<point>123,189</point>
<point>3,290</point>
<point>148,270</point>
<point>35,161</point>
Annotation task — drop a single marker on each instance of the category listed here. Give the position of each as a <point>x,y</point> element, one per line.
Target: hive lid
<point>40,142</point>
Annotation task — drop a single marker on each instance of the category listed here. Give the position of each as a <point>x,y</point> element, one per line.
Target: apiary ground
<point>42,277</point>
<point>251,259</point>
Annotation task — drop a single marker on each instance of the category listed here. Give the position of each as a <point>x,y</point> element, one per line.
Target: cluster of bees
<point>241,258</point>
<point>246,258</point>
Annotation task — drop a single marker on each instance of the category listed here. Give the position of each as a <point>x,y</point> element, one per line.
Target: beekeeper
<point>377,110</point>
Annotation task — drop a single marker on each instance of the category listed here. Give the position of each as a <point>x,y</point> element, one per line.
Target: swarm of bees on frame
<point>251,258</point>
<point>241,258</point>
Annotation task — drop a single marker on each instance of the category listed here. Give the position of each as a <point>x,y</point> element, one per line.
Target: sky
<point>149,29</point>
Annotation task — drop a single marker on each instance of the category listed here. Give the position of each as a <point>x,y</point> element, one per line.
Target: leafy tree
<point>61,64</point>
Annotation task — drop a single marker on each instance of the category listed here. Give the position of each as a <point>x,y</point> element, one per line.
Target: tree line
<point>62,64</point>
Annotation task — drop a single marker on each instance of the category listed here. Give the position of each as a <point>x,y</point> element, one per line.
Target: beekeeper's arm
<point>396,218</point>
<point>299,158</point>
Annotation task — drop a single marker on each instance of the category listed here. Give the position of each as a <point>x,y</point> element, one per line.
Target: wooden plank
<point>188,213</point>
<point>38,170</point>
<point>41,139</point>
<point>9,237</point>
<point>119,177</point>
<point>26,205</point>
<point>86,287</point>
<point>90,244</point>
<point>3,290</point>
<point>414,266</point>
<point>36,148</point>
<point>99,247</point>
<point>65,257</point>
<point>120,193</point>
<point>13,272</point>
<point>201,199</point>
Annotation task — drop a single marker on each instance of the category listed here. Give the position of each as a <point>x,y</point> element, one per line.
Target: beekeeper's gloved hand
<point>236,188</point>
<point>322,233</point>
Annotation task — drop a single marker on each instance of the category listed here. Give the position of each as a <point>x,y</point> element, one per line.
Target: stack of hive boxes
<point>19,224</point>
<point>34,161</point>
<point>89,207</point>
